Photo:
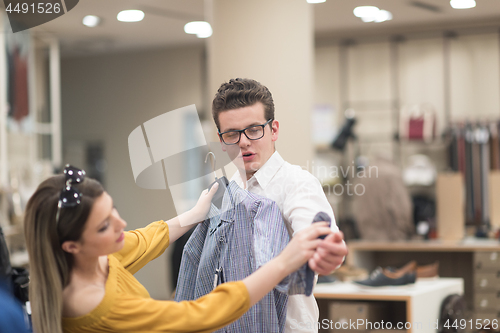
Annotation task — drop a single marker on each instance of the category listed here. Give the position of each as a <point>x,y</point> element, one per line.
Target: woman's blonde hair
<point>50,266</point>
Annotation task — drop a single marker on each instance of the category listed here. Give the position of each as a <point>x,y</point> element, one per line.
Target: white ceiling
<point>165,19</point>
<point>335,18</point>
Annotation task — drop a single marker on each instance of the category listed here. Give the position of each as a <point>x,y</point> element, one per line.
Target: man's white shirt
<point>300,197</point>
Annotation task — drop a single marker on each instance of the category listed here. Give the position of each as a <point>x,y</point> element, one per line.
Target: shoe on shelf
<point>350,273</point>
<point>428,271</point>
<point>409,267</point>
<point>382,278</point>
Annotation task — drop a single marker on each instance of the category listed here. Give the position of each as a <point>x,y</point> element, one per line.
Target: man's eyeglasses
<point>70,197</point>
<point>254,132</point>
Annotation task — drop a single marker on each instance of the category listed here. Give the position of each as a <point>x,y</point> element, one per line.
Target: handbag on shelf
<point>417,122</point>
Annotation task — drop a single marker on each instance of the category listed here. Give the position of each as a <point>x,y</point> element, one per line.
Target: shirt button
<point>221,239</point>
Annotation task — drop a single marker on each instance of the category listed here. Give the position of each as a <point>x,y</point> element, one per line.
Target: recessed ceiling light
<point>366,11</point>
<point>201,29</point>
<point>131,15</point>
<point>316,1</point>
<point>383,15</point>
<point>372,14</point>
<point>462,4</point>
<point>91,21</point>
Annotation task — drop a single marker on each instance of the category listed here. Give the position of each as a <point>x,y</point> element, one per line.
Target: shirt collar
<point>269,169</point>
<point>265,174</point>
<point>233,195</point>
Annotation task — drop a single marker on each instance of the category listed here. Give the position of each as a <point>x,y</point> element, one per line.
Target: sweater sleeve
<point>143,245</point>
<point>215,310</point>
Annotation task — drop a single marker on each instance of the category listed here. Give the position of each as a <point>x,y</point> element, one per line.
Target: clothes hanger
<point>223,182</point>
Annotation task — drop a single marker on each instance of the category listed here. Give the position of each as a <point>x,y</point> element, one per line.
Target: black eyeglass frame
<point>70,196</point>
<point>244,132</point>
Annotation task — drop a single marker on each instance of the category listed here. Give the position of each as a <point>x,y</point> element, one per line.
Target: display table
<point>477,261</point>
<point>423,299</point>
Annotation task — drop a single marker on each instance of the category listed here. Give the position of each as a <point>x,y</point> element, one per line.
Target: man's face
<point>247,154</point>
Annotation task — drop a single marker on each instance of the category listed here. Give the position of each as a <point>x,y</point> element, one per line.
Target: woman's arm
<point>223,305</point>
<point>179,225</point>
<point>300,249</point>
<point>145,244</point>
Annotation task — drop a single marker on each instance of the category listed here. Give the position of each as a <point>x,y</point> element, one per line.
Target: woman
<point>82,264</point>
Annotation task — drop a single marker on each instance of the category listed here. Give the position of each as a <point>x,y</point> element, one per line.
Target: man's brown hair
<point>238,93</point>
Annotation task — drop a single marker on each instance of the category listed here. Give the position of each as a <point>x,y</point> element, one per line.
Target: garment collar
<point>266,173</point>
<point>233,195</point>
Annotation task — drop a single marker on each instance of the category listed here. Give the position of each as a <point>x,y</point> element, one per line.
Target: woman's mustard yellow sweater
<point>127,306</point>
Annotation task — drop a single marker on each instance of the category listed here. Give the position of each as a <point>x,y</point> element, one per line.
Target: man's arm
<point>304,199</point>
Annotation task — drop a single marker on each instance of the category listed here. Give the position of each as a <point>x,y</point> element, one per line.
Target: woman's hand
<point>179,225</point>
<point>203,205</point>
<point>303,246</point>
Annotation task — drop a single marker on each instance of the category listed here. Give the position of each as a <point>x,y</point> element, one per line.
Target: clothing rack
<point>474,151</point>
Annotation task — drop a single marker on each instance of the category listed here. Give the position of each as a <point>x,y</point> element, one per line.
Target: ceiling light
<point>91,21</point>
<point>383,15</point>
<point>462,4</point>
<point>130,15</point>
<point>372,14</point>
<point>366,11</point>
<point>201,29</point>
<point>316,1</point>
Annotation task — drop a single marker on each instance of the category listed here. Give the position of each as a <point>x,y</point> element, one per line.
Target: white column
<point>55,101</point>
<point>270,41</point>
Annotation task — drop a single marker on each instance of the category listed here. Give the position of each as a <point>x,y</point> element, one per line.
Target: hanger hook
<point>213,160</point>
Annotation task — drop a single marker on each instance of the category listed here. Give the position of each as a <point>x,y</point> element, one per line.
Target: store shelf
<point>422,299</point>
<point>465,245</point>
<point>474,260</point>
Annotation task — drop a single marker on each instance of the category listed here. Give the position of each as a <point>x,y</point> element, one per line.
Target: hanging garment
<point>494,147</point>
<point>453,160</point>
<point>476,174</point>
<point>384,211</point>
<point>469,175</point>
<point>483,142</point>
<point>18,89</point>
<point>246,233</point>
<point>461,149</point>
<point>417,122</point>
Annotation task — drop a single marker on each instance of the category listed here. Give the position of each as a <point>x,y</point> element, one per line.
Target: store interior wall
<point>105,97</point>
<point>370,76</point>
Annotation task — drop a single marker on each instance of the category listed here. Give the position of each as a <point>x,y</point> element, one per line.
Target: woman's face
<point>103,232</point>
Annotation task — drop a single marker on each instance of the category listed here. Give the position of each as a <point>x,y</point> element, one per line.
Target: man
<point>243,111</point>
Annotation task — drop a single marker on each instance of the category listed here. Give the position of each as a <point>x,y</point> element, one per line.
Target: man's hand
<point>329,255</point>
